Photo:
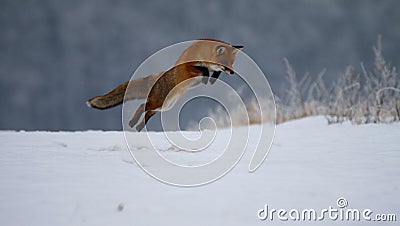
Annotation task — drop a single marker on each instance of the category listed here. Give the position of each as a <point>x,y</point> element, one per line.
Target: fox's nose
<point>232,72</point>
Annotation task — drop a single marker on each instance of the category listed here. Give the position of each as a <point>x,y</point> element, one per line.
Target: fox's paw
<point>204,80</point>
<point>140,127</point>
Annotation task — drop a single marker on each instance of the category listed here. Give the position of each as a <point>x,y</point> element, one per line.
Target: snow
<point>89,178</point>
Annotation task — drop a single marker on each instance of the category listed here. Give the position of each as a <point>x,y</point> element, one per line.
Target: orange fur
<point>198,60</point>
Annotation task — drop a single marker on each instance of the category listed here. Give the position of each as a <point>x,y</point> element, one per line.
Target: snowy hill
<point>89,178</point>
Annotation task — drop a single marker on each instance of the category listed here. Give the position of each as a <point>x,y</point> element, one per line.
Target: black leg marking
<point>205,72</point>
<point>214,77</point>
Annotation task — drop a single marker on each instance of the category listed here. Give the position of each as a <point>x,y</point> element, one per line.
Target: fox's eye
<point>220,50</point>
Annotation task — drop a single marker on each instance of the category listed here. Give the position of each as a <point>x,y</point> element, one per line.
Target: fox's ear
<point>237,48</point>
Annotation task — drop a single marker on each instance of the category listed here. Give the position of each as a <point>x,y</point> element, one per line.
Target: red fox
<point>199,60</point>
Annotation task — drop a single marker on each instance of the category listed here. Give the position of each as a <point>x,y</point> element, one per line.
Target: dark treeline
<point>55,54</point>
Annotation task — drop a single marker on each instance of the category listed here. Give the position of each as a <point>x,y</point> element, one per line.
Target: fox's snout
<point>229,70</point>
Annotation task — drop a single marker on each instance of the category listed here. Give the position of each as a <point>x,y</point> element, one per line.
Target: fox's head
<point>216,55</point>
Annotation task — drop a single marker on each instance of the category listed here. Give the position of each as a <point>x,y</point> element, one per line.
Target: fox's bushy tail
<point>111,99</point>
<point>137,89</point>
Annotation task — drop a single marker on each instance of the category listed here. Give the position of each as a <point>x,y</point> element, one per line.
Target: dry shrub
<point>359,97</point>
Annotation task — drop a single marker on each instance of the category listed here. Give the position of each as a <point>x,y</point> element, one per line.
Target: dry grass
<point>358,96</point>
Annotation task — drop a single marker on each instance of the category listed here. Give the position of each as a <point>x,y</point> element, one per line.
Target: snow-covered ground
<point>89,178</point>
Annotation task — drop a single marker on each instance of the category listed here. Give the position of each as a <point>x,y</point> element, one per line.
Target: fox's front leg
<point>206,75</point>
<point>214,77</point>
<point>205,72</point>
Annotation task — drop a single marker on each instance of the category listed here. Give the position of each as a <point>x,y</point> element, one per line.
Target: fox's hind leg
<point>136,116</point>
<point>144,121</point>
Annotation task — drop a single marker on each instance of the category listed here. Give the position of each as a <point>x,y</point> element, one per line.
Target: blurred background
<point>54,55</point>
